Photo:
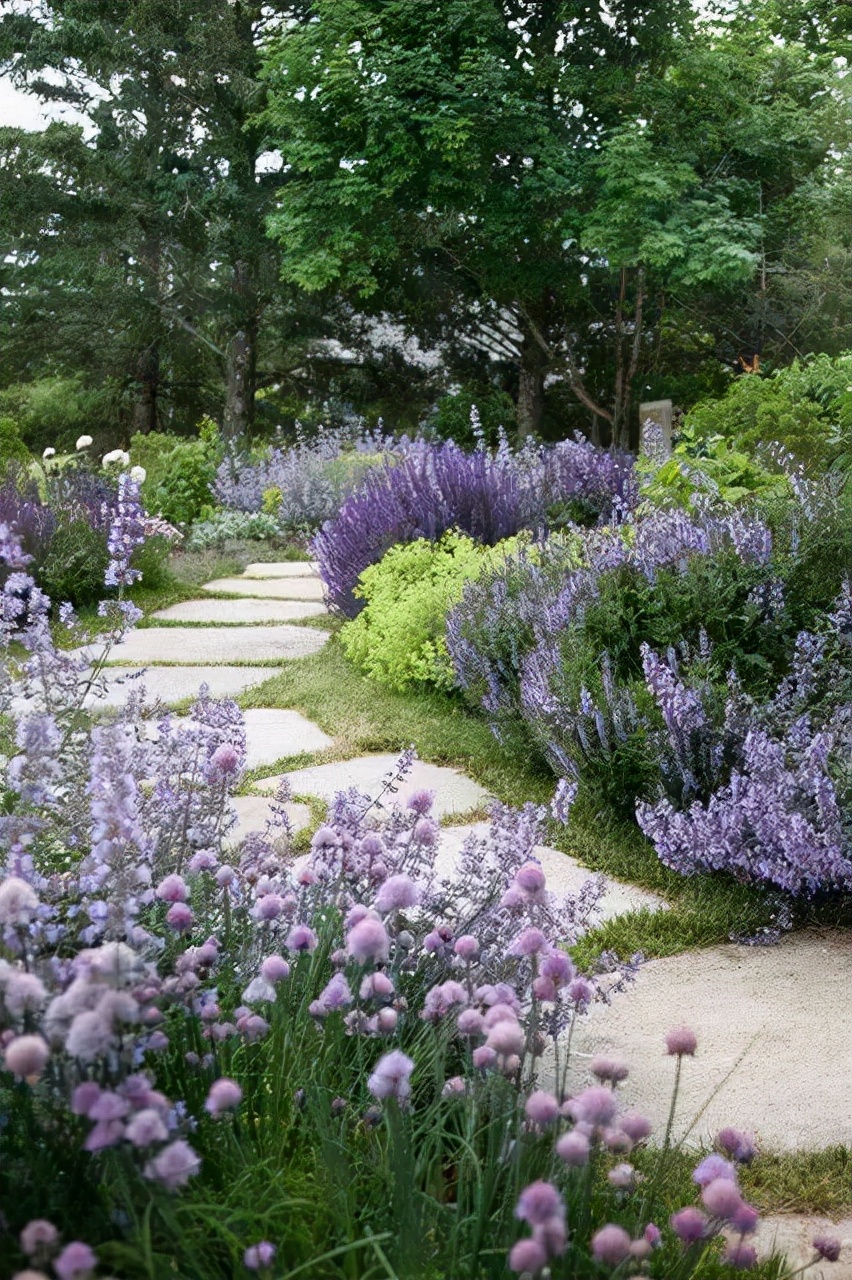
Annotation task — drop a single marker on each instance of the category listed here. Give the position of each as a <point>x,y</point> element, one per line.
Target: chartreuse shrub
<point>398,637</point>
<point>215,1066</point>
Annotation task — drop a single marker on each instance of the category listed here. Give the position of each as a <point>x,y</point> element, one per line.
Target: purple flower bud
<point>179,916</point>
<point>75,1261</point>
<point>539,1202</point>
<point>386,1020</point>
<point>689,1224</point>
<point>712,1167</point>
<point>530,878</point>
<point>581,993</point>
<point>421,801</point>
<point>558,968</point>
<point>573,1148</point>
<point>146,1128</point>
<point>84,1097</point>
<point>224,1095</point>
<point>529,942</point>
<point>274,969</point>
<point>635,1126</point>
<point>225,759</point>
<point>721,1198</point>
<point>172,889</point>
<point>541,1108</point>
<point>595,1106</point>
<point>609,1069</point>
<point>827,1247</point>
<point>367,941</point>
<point>301,938</point>
<point>225,876</point>
<point>506,1038</point>
<point>396,894</point>
<point>611,1245</point>
<point>483,1057</point>
<point>466,947</point>
<point>260,1255</point>
<point>269,907</point>
<point>470,1022</point>
<point>681,1042</point>
<point>527,1255</point>
<point>653,1235</point>
<point>745,1219</point>
<point>737,1144</point>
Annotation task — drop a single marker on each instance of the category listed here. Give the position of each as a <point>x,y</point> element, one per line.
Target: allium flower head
<point>681,1042</point>
<point>527,1255</point>
<point>712,1167</point>
<point>367,941</point>
<point>541,1108</point>
<point>391,1076</point>
<point>172,889</point>
<point>689,1224</point>
<point>595,1106</point>
<point>174,1165</point>
<point>259,1255</point>
<point>225,759</point>
<point>145,1128</point>
<point>737,1144</point>
<point>741,1256</point>
<point>26,1056</point>
<point>574,1148</point>
<point>396,894</point>
<point>721,1198</point>
<point>18,902</point>
<point>827,1247</point>
<point>75,1262</point>
<point>610,1069</point>
<point>538,1203</point>
<point>301,938</point>
<point>274,969</point>
<point>466,947</point>
<point>506,1038</point>
<point>611,1245</point>
<point>39,1237</point>
<point>421,801</point>
<point>530,877</point>
<point>635,1126</point>
<point>224,1095</point>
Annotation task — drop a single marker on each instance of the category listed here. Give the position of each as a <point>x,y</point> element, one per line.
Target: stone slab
<point>175,684</point>
<point>253,813</point>
<point>774,1028</point>
<point>187,645</point>
<point>272,734</point>
<point>239,611</point>
<point>791,1235</point>
<point>454,792</point>
<point>564,874</point>
<point>269,588</point>
<point>281,569</point>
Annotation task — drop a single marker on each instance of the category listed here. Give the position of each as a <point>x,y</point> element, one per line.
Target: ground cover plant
<point>255,1066</point>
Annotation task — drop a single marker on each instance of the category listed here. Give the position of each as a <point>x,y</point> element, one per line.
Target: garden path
<point>763,1061</point>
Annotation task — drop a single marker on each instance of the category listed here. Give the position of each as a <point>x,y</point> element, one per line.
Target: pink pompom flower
<point>224,1095</point>
<point>75,1261</point>
<point>681,1042</point>
<point>611,1245</point>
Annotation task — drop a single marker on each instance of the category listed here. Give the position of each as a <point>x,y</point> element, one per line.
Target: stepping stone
<point>564,874</point>
<point>269,588</point>
<point>791,1234</point>
<point>253,813</point>
<point>455,793</point>
<point>239,611</point>
<point>774,1032</point>
<point>282,569</point>
<point>217,644</point>
<point>272,734</point>
<point>174,684</point>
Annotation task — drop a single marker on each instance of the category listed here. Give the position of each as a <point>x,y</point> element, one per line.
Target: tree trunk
<point>530,407</point>
<point>241,362</point>
<point>148,380</point>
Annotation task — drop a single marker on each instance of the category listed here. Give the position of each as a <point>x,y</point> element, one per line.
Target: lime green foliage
<point>398,638</point>
<point>801,407</point>
<point>271,501</point>
<point>12,447</point>
<point>179,471</point>
<point>707,464</point>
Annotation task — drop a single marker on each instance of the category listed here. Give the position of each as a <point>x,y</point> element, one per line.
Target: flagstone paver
<point>791,1234</point>
<point>272,734</point>
<point>253,813</point>
<point>269,588</point>
<point>239,611</point>
<point>187,645</point>
<point>774,1028</point>
<point>281,569</point>
<point>174,684</point>
<point>564,874</point>
<point>455,793</point>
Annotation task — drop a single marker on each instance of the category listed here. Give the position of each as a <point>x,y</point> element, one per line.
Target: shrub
<point>796,407</point>
<point>75,562</point>
<point>398,637</point>
<point>487,495</point>
<point>223,526</point>
<point>704,467</point>
<point>13,451</point>
<point>303,484</point>
<point>54,411</point>
<point>179,1019</point>
<point>180,473</point>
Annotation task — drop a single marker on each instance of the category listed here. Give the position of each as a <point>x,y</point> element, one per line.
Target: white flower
<point>138,474</point>
<point>83,442</point>
<point>49,453</point>
<point>115,455</point>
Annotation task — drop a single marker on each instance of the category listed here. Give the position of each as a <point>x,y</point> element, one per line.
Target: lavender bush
<point>489,495</point>
<point>218,1060</point>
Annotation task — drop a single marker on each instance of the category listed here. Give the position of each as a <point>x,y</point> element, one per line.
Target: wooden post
<point>658,412</point>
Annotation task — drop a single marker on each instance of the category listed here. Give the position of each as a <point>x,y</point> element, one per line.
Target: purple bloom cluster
<point>487,495</point>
